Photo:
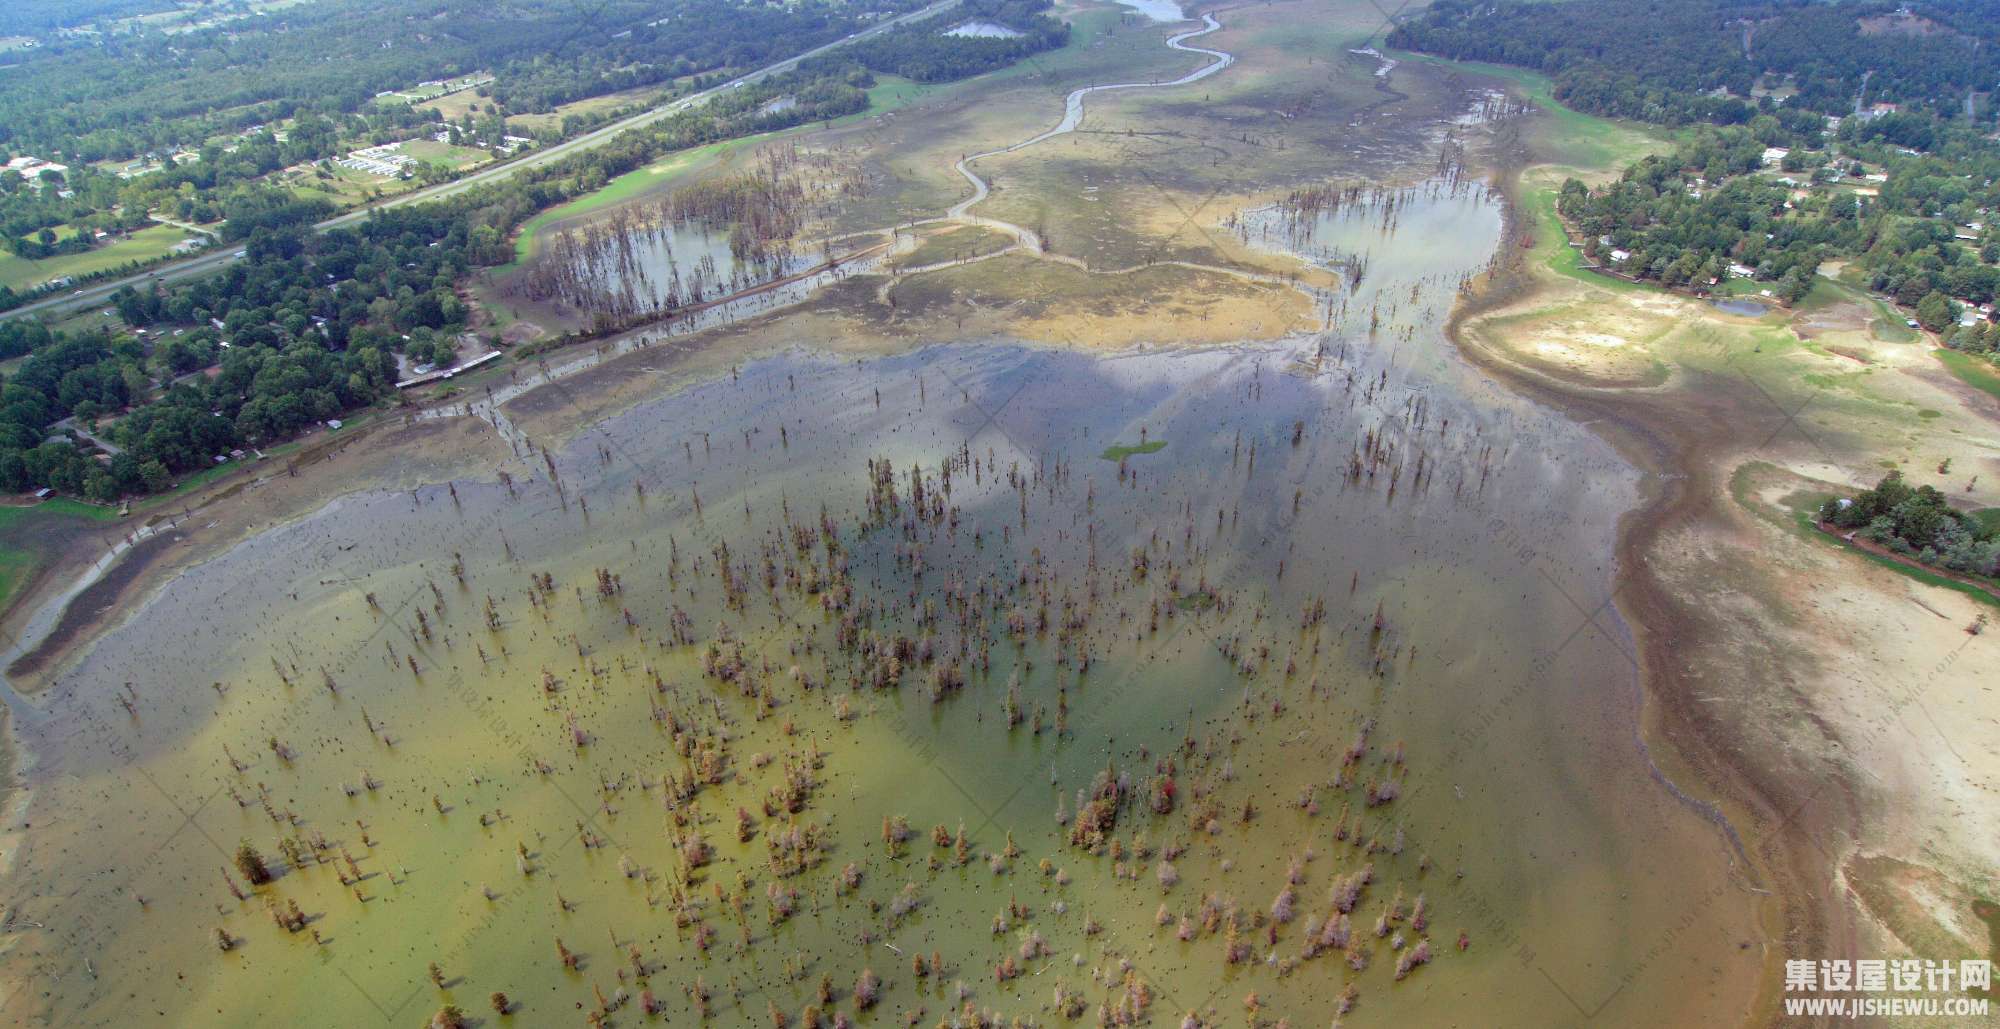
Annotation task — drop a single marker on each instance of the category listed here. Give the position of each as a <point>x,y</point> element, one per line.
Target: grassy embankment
<point>26,535</point>
<point>1980,375</point>
<point>888,93</point>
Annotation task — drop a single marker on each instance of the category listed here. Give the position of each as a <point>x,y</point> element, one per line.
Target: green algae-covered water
<point>634,735</point>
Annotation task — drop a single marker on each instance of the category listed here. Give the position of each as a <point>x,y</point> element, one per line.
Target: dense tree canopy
<point>1905,194</point>
<point>121,95</point>
<point>922,50</point>
<point>311,324</point>
<point>1702,60</point>
<point>1919,522</point>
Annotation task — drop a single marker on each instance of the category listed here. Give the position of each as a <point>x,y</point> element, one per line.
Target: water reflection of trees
<point>654,257</point>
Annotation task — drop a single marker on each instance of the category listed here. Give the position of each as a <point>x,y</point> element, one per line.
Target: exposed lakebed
<point>935,665</point>
<point>1350,618</point>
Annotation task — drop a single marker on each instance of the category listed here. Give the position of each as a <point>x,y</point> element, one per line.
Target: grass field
<point>954,244</point>
<point>1552,245</point>
<point>23,549</point>
<point>642,96</point>
<point>143,245</point>
<point>888,93</point>
<point>346,188</point>
<point>444,154</point>
<point>1580,140</point>
<point>453,103</point>
<point>1979,374</point>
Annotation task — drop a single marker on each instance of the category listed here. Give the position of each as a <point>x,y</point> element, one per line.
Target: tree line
<point>126,94</point>
<point>1704,60</point>
<point>1904,196</point>
<point>310,325</point>
<point>921,50</point>
<point>1917,522</point>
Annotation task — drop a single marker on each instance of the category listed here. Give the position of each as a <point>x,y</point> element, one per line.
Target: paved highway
<point>99,292</point>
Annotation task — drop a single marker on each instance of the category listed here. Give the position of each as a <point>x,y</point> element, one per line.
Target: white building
<point>31,168</point>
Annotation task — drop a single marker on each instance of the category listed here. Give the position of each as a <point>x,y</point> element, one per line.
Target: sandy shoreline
<point>1676,471</point>
<point>1688,435</point>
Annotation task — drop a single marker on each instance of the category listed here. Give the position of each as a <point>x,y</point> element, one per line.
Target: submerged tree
<point>251,864</point>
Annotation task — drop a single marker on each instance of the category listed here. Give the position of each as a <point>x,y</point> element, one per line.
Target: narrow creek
<point>1071,119</point>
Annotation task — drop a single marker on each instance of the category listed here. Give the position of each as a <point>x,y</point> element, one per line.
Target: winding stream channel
<point>1071,119</point>
<point>775,296</point>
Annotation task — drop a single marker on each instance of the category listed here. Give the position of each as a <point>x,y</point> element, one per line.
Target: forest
<point>1666,63</point>
<point>311,322</point>
<point>29,19</point>
<point>922,51</point>
<point>1678,234</point>
<point>1685,216</point>
<point>124,95</point>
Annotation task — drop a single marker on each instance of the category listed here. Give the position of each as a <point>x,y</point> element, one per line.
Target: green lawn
<point>1585,141</point>
<point>11,517</point>
<point>618,190</point>
<point>1976,372</point>
<point>1553,243</point>
<point>143,245</point>
<point>889,93</point>
<point>431,151</point>
<point>22,546</point>
<point>1888,327</point>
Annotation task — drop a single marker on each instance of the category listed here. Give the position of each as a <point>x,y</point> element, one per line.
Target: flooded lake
<point>661,268</point>
<point>1157,10</point>
<point>1187,671</point>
